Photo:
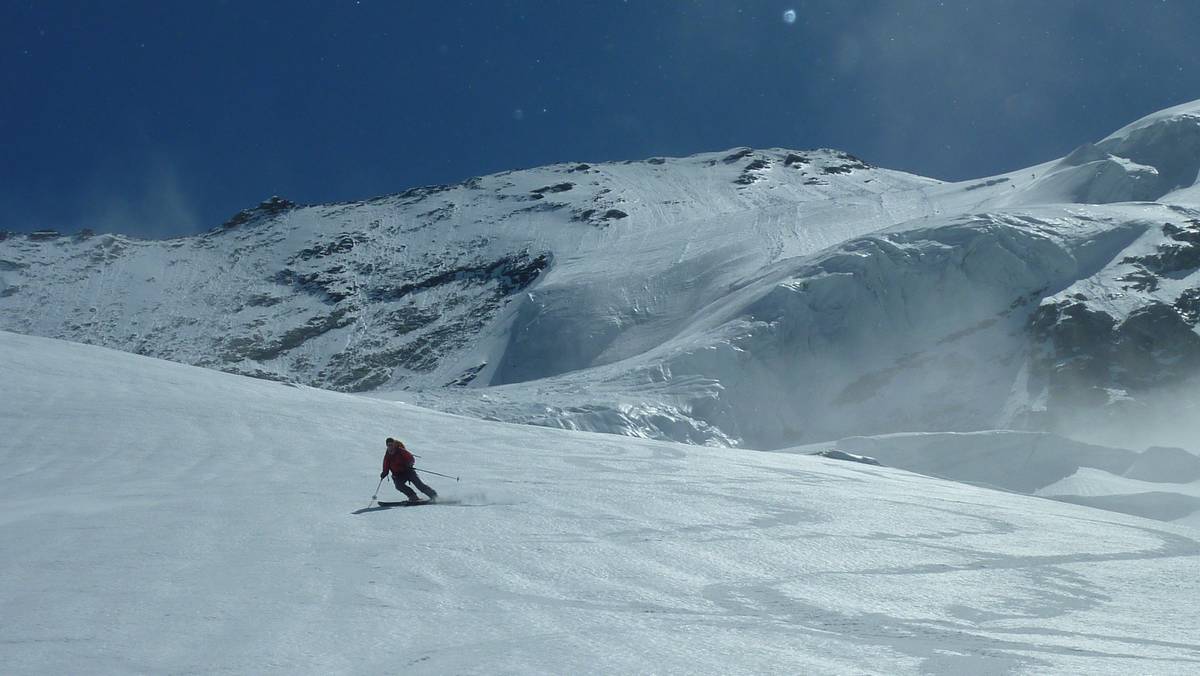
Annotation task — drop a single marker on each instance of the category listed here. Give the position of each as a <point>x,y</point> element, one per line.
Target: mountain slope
<point>422,287</point>
<point>944,324</point>
<point>153,511</point>
<point>755,297</point>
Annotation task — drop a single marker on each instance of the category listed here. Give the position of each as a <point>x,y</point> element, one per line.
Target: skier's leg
<point>411,477</point>
<point>416,481</point>
<point>399,480</point>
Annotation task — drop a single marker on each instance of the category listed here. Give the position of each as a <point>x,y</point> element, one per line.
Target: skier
<point>399,462</point>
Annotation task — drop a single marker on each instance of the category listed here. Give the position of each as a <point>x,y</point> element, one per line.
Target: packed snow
<point>160,518</point>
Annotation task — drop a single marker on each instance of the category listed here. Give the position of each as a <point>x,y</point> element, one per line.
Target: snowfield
<point>161,518</point>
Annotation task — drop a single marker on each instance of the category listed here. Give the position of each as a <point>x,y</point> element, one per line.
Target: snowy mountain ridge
<point>382,293</point>
<point>754,297</point>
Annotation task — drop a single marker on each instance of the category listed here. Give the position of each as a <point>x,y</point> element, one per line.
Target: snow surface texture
<point>159,518</point>
<point>762,298</point>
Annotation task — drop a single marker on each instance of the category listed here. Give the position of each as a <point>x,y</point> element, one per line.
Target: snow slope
<point>166,519</point>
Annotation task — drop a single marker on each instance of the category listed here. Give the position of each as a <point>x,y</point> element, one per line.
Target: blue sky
<point>165,118</point>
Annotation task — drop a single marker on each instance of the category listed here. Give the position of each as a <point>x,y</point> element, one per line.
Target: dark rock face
<point>410,318</point>
<point>848,164</point>
<point>557,187</point>
<point>738,154</point>
<point>1154,346</point>
<point>750,173</point>
<point>1188,306</point>
<point>324,284</point>
<point>467,376</point>
<point>341,244</point>
<point>271,207</point>
<point>511,273</point>
<point>1170,259</point>
<point>597,217</point>
<point>1176,258</point>
<point>414,195</point>
<point>1189,232</point>
<point>247,348</point>
<point>1075,341</point>
<point>408,313</point>
<point>541,207</point>
<point>263,300</point>
<point>793,159</point>
<point>1082,352</point>
<point>1140,279</point>
<point>851,159</point>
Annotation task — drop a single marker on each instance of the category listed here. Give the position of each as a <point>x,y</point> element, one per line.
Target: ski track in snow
<point>164,519</point>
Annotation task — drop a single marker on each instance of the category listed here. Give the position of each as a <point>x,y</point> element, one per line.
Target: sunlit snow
<point>159,518</point>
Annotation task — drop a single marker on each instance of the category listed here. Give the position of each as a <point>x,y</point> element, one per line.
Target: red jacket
<point>398,460</point>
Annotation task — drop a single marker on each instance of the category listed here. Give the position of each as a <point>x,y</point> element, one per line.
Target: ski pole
<point>427,471</point>
<point>375,495</point>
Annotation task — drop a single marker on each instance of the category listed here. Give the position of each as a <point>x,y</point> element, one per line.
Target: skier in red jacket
<point>399,462</point>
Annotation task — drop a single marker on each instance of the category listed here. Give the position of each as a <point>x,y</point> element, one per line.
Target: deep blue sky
<point>157,118</point>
